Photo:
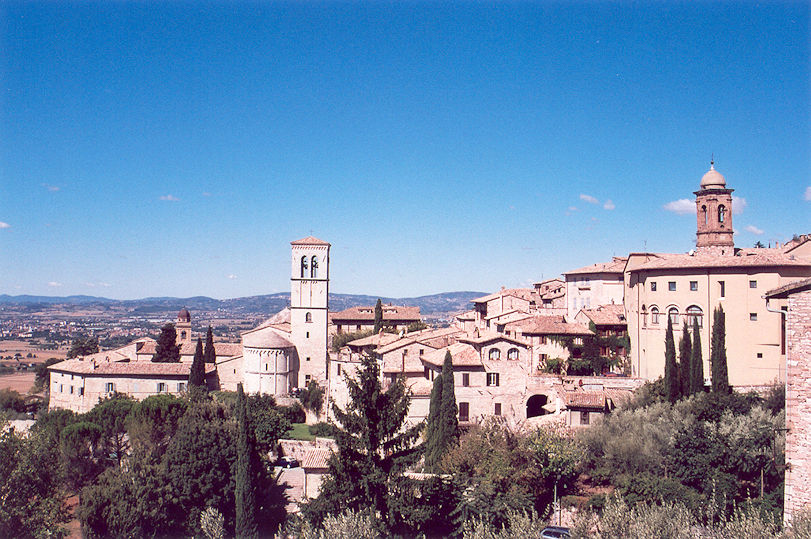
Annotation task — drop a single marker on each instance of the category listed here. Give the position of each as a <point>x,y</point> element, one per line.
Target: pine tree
<point>696,362</point>
<point>449,435</point>
<point>672,389</point>
<point>210,354</point>
<point>197,374</point>
<point>685,354</point>
<point>718,352</point>
<point>245,493</point>
<point>374,447</point>
<point>378,316</point>
<point>433,428</point>
<point>167,351</point>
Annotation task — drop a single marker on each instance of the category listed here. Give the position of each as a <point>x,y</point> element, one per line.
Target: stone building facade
<point>797,489</point>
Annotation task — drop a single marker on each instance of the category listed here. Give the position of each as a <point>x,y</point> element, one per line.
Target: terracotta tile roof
<point>426,336</point>
<point>748,260</point>
<point>467,315</point>
<point>584,399</point>
<point>462,355</point>
<point>316,459</point>
<point>420,386</point>
<point>188,349</point>
<point>522,293</point>
<point>786,289</point>
<point>490,336</point>
<point>547,325</point>
<point>390,313</point>
<point>378,339</point>
<point>393,363</point>
<point>309,240</point>
<point>617,265</point>
<point>135,368</point>
<point>605,315</point>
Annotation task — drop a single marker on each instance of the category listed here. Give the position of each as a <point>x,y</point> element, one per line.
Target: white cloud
<point>572,208</point>
<point>232,276</point>
<point>608,205</point>
<point>807,195</point>
<point>206,194</point>
<point>738,205</point>
<point>170,198</point>
<point>101,284</point>
<point>588,198</point>
<point>753,229</point>
<point>4,225</point>
<point>54,284</point>
<point>52,188</point>
<point>682,206</point>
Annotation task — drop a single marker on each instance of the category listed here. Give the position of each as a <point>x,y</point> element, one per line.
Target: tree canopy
<point>197,373</point>
<point>378,316</point>
<point>167,350</point>
<point>718,352</point>
<point>210,353</point>
<point>83,346</point>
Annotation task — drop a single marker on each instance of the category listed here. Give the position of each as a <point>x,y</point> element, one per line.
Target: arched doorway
<point>535,405</point>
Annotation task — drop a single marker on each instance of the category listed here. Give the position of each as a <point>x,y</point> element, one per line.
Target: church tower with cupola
<point>183,327</point>
<point>309,308</point>
<point>714,214</point>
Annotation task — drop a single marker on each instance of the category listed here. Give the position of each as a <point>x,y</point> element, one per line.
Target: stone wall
<point>798,405</point>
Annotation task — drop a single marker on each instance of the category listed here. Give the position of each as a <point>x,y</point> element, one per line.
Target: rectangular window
<point>760,355</point>
<point>307,377</point>
<point>71,390</point>
<point>181,387</point>
<point>110,387</point>
<point>693,286</point>
<point>464,411</point>
<point>498,408</point>
<point>752,284</point>
<point>492,378</point>
<point>465,380</point>
<point>671,285</point>
<point>653,286</point>
<point>81,391</point>
<point>584,418</point>
<point>60,388</point>
<point>308,334</point>
<point>723,288</point>
<point>161,387</point>
<point>421,351</point>
<point>425,371</point>
<point>308,359</point>
<point>753,317</point>
<point>339,370</point>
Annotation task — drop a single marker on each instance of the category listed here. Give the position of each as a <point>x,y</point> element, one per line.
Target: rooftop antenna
<point>712,160</point>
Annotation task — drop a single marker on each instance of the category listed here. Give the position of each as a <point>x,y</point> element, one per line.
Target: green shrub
<point>294,413</point>
<point>322,429</point>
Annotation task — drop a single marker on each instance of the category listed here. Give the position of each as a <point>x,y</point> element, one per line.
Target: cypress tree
<point>696,362</point>
<point>685,353</point>
<point>197,374</point>
<point>167,349</point>
<point>378,316</point>
<point>672,389</point>
<point>449,422</point>
<point>433,428</point>
<point>210,354</point>
<point>718,352</point>
<point>245,493</point>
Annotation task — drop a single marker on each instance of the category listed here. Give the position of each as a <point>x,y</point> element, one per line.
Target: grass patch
<point>300,431</point>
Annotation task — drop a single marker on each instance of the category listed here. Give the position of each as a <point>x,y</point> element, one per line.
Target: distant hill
<point>446,302</point>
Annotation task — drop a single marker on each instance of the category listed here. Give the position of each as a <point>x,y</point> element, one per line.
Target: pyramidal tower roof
<point>309,240</point>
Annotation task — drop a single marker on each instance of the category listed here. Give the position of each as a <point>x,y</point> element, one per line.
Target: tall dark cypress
<point>210,355</point>
<point>245,494</point>
<point>433,428</point>
<point>672,386</point>
<point>696,362</point>
<point>378,316</point>
<point>167,350</point>
<point>197,374</point>
<point>685,354</point>
<point>448,410</point>
<point>718,352</point>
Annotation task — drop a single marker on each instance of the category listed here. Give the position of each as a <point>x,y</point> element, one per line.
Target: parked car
<point>555,532</point>
<point>287,462</point>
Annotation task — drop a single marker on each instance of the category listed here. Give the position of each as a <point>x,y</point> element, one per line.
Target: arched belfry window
<point>704,213</point>
<point>694,312</point>
<point>722,213</point>
<point>314,267</point>
<point>303,267</point>
<point>308,317</point>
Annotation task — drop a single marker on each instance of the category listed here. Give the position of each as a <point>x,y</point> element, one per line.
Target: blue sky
<point>177,148</point>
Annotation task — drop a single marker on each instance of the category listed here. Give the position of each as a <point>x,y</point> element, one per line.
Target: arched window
<point>303,267</point>
<point>722,213</point>
<point>308,317</point>
<point>695,312</point>
<point>704,213</point>
<point>314,268</point>
<point>654,315</point>
<point>495,353</point>
<point>673,313</point>
<point>644,316</point>
<point>512,353</point>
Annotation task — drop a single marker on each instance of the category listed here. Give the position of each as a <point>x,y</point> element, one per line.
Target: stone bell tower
<point>183,327</point>
<point>309,308</point>
<point>714,215</point>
